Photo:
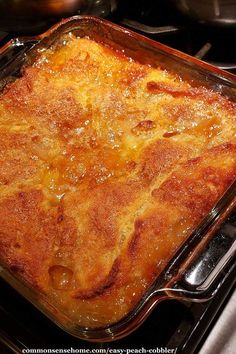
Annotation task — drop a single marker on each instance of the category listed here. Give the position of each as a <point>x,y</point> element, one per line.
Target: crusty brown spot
<point>159,157</point>
<point>132,75</point>
<point>131,165</point>
<point>170,134</point>
<point>107,201</point>
<point>146,230</point>
<point>16,161</point>
<point>24,223</point>
<point>201,93</point>
<point>68,231</point>
<point>143,126</point>
<point>199,182</point>
<point>198,92</point>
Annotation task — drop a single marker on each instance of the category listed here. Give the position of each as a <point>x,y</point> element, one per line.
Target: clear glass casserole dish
<point>202,262</point>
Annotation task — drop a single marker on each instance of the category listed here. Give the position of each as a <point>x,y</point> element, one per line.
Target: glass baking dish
<point>204,260</point>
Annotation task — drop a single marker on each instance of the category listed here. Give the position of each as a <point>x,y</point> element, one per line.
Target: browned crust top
<point>106,167</point>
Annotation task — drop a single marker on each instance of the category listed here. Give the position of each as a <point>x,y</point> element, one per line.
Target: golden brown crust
<point>159,157</point>
<point>27,235</point>
<point>106,167</point>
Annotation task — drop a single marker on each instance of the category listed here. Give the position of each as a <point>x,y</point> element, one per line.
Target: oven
<point>185,327</point>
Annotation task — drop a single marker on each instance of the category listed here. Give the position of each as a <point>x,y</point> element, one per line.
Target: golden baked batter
<point>106,166</point>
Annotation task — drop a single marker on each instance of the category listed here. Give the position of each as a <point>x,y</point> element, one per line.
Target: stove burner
<point>153,30</point>
<point>203,52</point>
<point>160,20</point>
<point>149,29</point>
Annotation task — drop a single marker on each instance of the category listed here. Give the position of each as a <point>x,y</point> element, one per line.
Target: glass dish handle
<point>211,268</point>
<point>202,272</point>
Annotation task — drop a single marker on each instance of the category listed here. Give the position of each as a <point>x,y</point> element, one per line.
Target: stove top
<point>174,325</point>
<point>161,21</point>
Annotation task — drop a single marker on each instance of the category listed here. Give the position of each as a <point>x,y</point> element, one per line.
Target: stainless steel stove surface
<point>172,324</point>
